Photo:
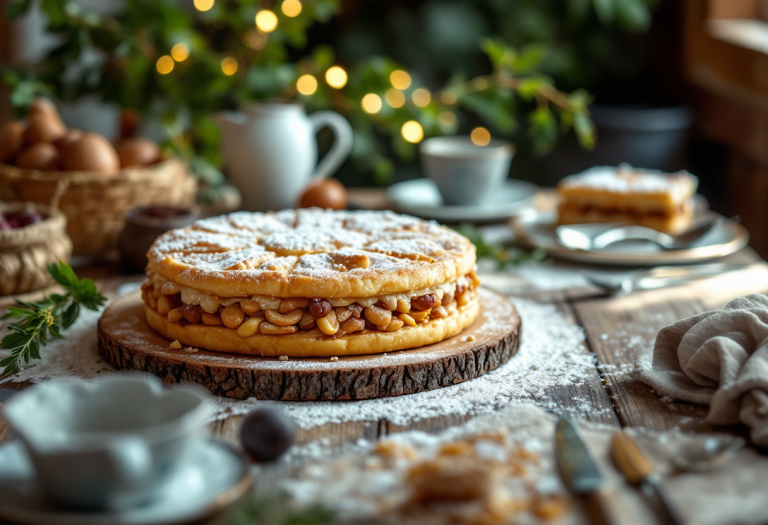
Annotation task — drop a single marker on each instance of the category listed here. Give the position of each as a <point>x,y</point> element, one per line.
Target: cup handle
<point>342,144</point>
<point>131,461</point>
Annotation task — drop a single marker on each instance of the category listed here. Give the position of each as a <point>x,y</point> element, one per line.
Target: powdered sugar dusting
<point>552,353</point>
<point>626,179</point>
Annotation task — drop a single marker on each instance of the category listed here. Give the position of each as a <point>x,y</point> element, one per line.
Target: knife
<point>580,472</point>
<point>638,469</point>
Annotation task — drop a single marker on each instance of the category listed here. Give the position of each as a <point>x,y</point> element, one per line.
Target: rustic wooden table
<point>617,330</point>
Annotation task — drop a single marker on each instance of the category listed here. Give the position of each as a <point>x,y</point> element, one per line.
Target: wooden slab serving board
<point>127,342</point>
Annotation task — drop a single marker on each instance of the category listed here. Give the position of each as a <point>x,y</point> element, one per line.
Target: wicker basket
<point>25,252</point>
<point>95,203</point>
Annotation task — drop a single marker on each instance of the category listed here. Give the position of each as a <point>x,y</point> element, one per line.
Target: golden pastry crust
<point>311,253</point>
<point>312,343</point>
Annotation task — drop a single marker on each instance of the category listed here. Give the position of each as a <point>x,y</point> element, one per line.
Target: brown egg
<point>41,156</point>
<point>44,128</point>
<point>70,136</point>
<point>42,105</point>
<point>91,152</point>
<point>326,193</point>
<point>137,152</point>
<point>11,141</point>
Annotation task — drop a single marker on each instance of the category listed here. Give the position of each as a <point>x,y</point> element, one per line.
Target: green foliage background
<point>512,91</point>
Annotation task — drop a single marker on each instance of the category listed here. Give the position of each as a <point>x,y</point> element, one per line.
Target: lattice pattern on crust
<point>293,247</point>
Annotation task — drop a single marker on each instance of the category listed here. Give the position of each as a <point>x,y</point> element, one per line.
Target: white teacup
<point>465,174</point>
<point>111,444</point>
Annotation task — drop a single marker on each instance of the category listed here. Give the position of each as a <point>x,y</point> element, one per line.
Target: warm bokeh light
<point>180,52</point>
<point>448,98</point>
<point>447,118</point>
<point>412,131</point>
<point>421,97</point>
<point>266,21</point>
<point>371,103</point>
<point>229,66</point>
<point>255,39</point>
<point>395,98</point>
<point>306,84</point>
<point>291,8</point>
<point>400,79</point>
<point>204,5</point>
<point>480,136</point>
<point>164,65</point>
<point>336,77</point>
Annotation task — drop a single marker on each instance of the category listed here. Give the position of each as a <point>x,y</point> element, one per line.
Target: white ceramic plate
<point>216,476</point>
<point>420,197</point>
<point>538,230</point>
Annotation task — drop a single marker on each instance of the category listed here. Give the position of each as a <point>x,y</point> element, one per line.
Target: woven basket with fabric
<point>25,252</point>
<point>95,203</point>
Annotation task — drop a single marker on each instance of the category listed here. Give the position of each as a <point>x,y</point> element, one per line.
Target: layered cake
<point>650,198</point>
<point>311,283</point>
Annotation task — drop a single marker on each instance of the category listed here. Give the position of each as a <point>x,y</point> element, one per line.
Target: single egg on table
<point>324,193</point>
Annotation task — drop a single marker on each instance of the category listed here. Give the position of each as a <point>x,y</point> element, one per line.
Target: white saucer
<point>538,230</point>
<point>420,197</point>
<point>216,477</point>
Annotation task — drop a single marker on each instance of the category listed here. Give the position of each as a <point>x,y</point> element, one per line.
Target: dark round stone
<point>267,433</point>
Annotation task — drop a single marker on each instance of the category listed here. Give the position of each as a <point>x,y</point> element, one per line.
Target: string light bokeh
<point>164,65</point>
<point>371,103</point>
<point>180,52</point>
<point>480,136</point>
<point>412,132</point>
<point>266,21</point>
<point>306,84</point>
<point>336,77</point>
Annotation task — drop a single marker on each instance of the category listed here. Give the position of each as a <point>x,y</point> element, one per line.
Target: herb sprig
<point>39,321</point>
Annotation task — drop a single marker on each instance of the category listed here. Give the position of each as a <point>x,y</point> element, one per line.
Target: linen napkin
<point>717,358</point>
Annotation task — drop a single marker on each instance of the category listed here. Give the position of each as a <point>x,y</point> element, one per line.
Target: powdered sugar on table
<point>552,353</point>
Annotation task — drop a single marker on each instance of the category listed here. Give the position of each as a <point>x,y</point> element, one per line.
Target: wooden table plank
<point>620,329</point>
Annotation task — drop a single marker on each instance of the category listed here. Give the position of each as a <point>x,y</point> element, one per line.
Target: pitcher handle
<point>342,144</point>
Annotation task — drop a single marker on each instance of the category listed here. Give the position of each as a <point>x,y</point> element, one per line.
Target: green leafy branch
<point>130,43</point>
<point>39,321</point>
<point>500,254</point>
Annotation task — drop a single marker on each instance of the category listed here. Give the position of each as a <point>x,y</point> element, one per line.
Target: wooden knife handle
<point>597,508</point>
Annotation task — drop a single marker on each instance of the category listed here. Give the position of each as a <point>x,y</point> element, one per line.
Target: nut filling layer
<point>330,317</point>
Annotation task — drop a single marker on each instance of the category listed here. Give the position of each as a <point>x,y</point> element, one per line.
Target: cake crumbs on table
<point>283,358</point>
<point>191,350</point>
<point>175,345</point>
<point>334,359</point>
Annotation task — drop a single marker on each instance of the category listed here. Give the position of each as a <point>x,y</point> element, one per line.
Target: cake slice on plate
<point>606,194</point>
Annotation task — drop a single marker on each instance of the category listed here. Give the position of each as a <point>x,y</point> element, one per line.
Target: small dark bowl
<point>143,226</point>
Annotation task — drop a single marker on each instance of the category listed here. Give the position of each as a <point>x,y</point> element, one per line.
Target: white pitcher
<point>271,154</point>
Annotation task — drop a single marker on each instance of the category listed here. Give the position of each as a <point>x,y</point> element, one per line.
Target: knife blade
<point>639,470</point>
<point>580,472</point>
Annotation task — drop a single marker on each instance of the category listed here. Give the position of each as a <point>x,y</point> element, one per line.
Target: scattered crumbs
<point>283,358</point>
<point>191,350</point>
<point>469,338</point>
<point>334,359</point>
<point>175,345</point>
